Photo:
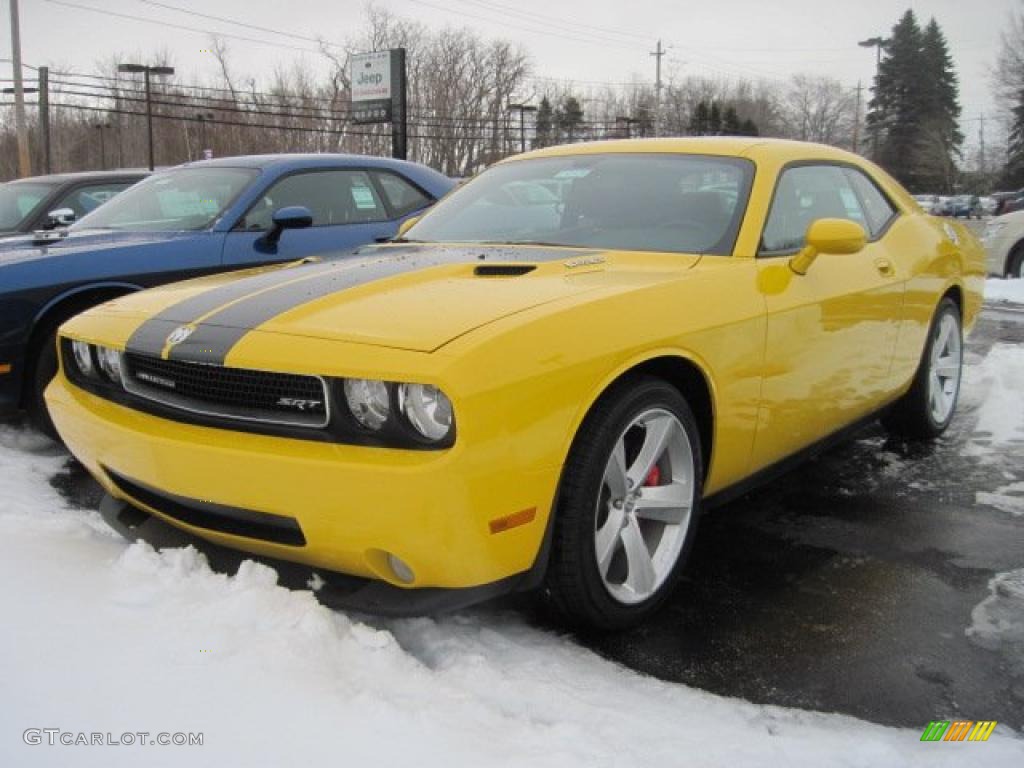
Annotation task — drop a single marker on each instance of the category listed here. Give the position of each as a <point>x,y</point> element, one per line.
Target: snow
<point>994,387</point>
<point>997,623</point>
<point>103,636</point>
<point>999,290</point>
<point>1009,498</point>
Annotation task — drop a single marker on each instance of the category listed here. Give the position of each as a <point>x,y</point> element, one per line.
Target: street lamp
<point>204,118</point>
<point>100,128</point>
<point>878,43</point>
<point>523,109</point>
<point>147,71</point>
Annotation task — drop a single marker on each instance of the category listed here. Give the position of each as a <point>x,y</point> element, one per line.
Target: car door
<point>348,211</point>
<point>831,332</point>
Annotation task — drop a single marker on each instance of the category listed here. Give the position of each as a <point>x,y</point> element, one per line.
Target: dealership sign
<point>372,81</point>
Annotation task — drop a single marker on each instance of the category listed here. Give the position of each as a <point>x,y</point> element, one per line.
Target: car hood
<point>413,297</point>
<point>28,247</point>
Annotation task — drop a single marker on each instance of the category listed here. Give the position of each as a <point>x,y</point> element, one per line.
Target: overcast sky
<point>581,40</point>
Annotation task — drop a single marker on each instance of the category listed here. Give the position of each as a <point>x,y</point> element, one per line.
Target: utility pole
<point>856,120</point>
<point>100,128</point>
<point>523,109</point>
<point>981,142</point>
<point>657,53</point>
<point>44,117</point>
<point>147,72</point>
<point>24,163</point>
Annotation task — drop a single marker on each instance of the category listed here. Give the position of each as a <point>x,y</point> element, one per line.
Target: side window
<point>402,196</point>
<point>83,200</point>
<point>877,208</point>
<point>805,194</point>
<point>333,197</point>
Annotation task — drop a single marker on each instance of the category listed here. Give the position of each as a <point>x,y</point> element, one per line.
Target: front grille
<point>215,517</point>
<point>235,393</point>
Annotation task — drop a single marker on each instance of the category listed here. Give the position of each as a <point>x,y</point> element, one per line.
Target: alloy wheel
<point>644,506</point>
<point>945,368</point>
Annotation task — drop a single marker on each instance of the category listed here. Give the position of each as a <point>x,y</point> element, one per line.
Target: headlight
<point>110,363</point>
<point>369,402</point>
<point>83,357</point>
<point>993,229</point>
<point>427,408</point>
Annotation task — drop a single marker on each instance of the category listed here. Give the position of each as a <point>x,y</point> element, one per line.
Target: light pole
<point>203,118</point>
<point>523,109</point>
<point>147,71</point>
<point>878,43</point>
<point>100,128</point>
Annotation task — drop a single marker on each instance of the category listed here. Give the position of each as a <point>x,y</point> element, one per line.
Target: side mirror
<point>61,217</point>
<point>289,217</point>
<point>406,225</point>
<point>833,236</point>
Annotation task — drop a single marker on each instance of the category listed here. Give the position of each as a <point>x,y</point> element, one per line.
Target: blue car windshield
<point>175,200</point>
<point>670,202</point>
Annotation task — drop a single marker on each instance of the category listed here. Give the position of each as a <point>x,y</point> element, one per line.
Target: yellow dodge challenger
<point>541,383</point>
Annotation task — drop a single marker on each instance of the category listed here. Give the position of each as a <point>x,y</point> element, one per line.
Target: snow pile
<point>1009,498</point>
<point>997,623</point>
<point>998,290</point>
<point>103,636</point>
<point>994,386</point>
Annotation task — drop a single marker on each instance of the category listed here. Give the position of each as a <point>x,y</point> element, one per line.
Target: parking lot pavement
<point>845,586</point>
<point>848,585</point>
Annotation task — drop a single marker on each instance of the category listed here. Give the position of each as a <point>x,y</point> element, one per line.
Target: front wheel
<point>628,507</point>
<point>928,407</point>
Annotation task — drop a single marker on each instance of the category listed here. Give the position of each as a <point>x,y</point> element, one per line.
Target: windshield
<point>18,200</point>
<point>179,199</point>
<point>636,202</point>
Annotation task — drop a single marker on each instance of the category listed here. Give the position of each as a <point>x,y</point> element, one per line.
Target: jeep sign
<point>371,87</point>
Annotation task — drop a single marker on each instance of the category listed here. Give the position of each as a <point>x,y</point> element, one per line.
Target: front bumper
<point>353,504</point>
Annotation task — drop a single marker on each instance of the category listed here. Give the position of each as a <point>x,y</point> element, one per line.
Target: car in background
<point>1003,199</point>
<point>499,403</point>
<point>1004,245</point>
<point>57,200</point>
<point>965,206</point>
<point>929,203</point>
<point>988,205</point>
<point>203,217</point>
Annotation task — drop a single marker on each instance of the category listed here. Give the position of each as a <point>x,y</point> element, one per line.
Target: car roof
<point>753,147</point>
<point>297,160</point>
<point>64,178</point>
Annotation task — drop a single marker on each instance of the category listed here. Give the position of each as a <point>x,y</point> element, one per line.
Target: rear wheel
<point>628,507</point>
<point>927,409</point>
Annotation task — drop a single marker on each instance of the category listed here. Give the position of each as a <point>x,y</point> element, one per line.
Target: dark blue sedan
<point>188,221</point>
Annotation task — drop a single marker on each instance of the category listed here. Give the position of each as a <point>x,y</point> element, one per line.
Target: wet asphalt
<point>845,586</point>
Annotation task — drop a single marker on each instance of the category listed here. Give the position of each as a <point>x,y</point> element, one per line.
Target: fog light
<point>402,571</point>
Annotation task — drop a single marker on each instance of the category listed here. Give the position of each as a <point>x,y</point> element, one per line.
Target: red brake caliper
<point>653,477</point>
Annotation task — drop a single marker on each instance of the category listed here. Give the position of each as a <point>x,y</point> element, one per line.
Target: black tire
<point>574,590</point>
<point>911,416</point>
<point>42,368</point>
<point>1015,263</point>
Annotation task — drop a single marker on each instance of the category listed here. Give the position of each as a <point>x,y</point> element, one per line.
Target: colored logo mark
<point>958,730</point>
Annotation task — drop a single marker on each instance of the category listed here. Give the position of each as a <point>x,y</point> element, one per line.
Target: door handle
<point>885,267</point>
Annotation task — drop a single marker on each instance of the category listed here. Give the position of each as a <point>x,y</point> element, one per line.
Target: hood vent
<point>503,270</point>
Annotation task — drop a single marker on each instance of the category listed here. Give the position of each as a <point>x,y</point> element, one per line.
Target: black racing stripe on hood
<point>150,337</point>
<point>215,336</point>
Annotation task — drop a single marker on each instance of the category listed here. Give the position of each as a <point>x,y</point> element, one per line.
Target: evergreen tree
<point>715,119</point>
<point>912,117</point>
<point>699,120</point>
<point>570,117</point>
<point>1013,175</point>
<point>544,125</point>
<point>731,122</point>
